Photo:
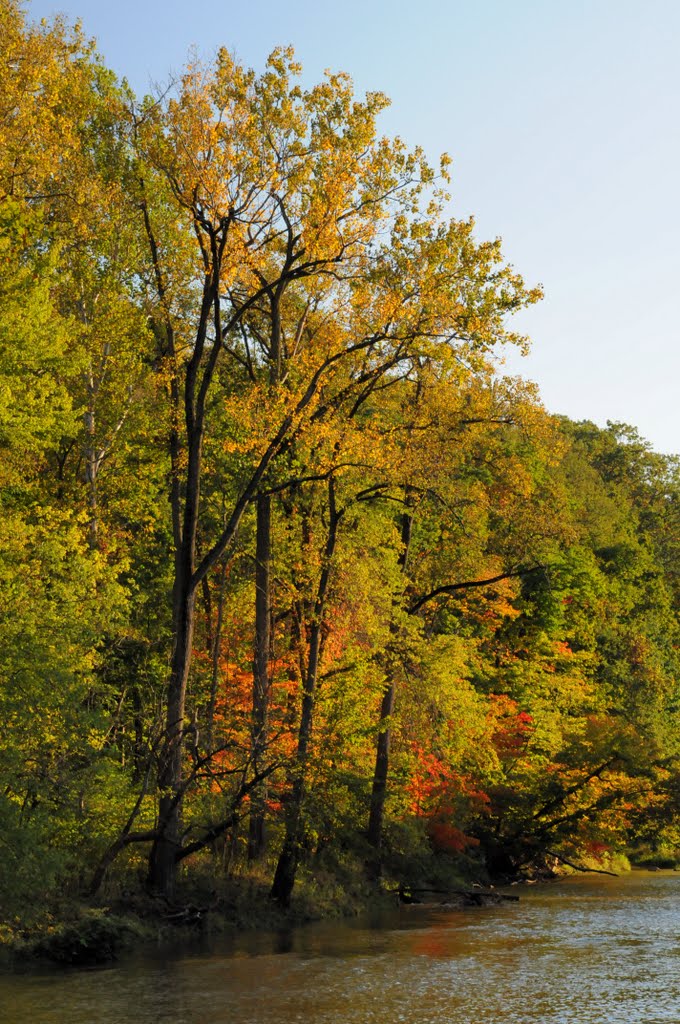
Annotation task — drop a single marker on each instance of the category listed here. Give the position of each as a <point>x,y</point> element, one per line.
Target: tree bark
<point>261,681</point>
<point>165,849</point>
<point>289,858</point>
<point>215,653</point>
<point>382,762</point>
<point>382,757</point>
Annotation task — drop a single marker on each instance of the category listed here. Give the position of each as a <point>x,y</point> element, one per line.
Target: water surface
<point>588,950</point>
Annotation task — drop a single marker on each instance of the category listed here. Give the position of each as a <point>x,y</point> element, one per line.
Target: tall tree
<point>275,186</point>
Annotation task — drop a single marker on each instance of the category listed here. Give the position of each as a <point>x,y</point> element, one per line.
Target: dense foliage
<point>289,573</point>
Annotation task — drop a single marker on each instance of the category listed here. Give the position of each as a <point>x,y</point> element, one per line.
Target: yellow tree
<point>288,254</point>
<point>56,122</point>
<point>63,168</point>
<point>249,186</point>
<point>46,94</point>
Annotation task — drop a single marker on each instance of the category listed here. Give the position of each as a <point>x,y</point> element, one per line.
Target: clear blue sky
<point>562,121</point>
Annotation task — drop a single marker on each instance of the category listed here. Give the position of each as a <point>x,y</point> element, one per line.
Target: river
<point>586,950</point>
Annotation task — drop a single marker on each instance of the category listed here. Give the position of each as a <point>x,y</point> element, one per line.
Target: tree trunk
<point>92,466</point>
<point>289,858</point>
<point>263,611</point>
<point>165,850</point>
<point>256,833</point>
<point>382,762</point>
<point>382,757</point>
<point>215,654</point>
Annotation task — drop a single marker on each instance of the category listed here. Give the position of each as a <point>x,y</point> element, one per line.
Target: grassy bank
<point>69,931</point>
<point>73,932</point>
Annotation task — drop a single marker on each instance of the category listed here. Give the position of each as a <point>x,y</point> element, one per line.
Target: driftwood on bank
<point>409,896</point>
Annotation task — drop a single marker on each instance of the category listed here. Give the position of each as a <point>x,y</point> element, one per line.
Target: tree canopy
<point>290,571</point>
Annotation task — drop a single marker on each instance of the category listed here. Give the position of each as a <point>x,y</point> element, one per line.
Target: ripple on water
<point>582,952</point>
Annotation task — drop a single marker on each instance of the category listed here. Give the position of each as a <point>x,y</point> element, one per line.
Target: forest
<point>296,587</point>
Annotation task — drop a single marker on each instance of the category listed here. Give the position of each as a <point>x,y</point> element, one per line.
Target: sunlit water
<point>585,951</point>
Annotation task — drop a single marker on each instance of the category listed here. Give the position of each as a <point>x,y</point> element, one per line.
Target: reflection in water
<point>584,951</point>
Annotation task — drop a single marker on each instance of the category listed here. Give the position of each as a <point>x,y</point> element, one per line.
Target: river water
<point>587,950</point>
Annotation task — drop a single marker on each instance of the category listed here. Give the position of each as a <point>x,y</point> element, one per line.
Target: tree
<point>464,455</point>
<point>276,186</point>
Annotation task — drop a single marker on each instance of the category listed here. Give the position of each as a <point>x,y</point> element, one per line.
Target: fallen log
<point>478,897</point>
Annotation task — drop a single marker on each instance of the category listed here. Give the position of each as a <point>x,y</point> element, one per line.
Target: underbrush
<point>662,856</point>
<point>331,883</point>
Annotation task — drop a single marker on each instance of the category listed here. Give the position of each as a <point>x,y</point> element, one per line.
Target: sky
<point>562,123</point>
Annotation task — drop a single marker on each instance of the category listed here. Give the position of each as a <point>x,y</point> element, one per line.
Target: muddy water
<point>589,950</point>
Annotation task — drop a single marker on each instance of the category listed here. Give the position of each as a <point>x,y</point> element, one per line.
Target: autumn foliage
<point>289,571</point>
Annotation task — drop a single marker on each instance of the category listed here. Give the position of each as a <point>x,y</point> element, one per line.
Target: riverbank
<point>94,936</point>
<point>73,932</point>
